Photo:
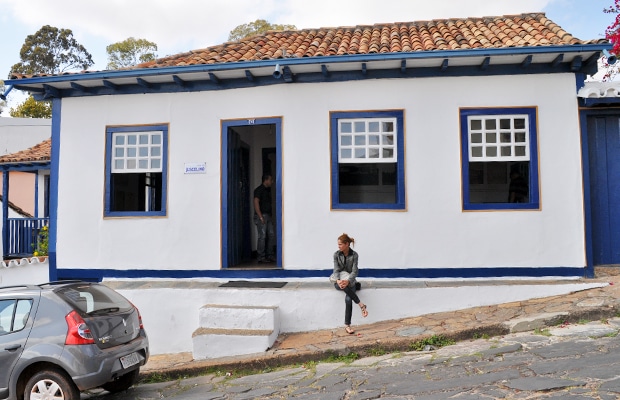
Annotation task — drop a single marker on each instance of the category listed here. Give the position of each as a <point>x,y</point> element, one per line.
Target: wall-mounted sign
<point>196,168</point>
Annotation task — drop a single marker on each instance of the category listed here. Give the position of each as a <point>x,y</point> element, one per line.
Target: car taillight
<point>139,315</point>
<point>77,330</point>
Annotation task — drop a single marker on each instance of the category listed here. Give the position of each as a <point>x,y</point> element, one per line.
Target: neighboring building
<point>404,135</point>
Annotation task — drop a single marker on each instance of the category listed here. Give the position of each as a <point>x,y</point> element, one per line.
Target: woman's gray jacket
<point>346,264</point>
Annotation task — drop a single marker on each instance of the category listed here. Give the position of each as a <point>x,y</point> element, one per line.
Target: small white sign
<point>195,168</point>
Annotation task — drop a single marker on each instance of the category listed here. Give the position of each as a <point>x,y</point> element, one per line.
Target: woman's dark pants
<point>350,296</point>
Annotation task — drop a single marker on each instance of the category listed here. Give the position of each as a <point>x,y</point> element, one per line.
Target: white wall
<point>21,133</point>
<point>433,232</point>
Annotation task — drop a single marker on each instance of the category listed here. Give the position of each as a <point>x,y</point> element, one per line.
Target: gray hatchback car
<point>60,338</point>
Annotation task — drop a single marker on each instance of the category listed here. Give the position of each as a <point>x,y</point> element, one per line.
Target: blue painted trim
<point>593,102</point>
<point>587,199</point>
<point>366,273</point>
<point>36,194</point>
<point>356,58</point>
<point>534,203</point>
<point>110,130</point>
<point>26,167</point>
<point>277,121</point>
<point>53,201</point>
<point>5,213</point>
<point>400,203</point>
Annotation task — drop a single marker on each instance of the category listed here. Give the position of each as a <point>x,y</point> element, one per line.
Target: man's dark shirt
<point>264,198</point>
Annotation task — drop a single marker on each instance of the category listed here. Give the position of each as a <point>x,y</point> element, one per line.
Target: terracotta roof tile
<point>39,152</point>
<point>522,30</point>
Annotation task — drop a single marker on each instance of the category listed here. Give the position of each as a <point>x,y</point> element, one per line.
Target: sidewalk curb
<point>262,361</point>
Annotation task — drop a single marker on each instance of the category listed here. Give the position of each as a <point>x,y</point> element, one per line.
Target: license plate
<point>129,360</point>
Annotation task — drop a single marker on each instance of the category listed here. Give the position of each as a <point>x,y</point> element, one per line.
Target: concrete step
<point>226,330</point>
<point>219,316</point>
<point>216,343</point>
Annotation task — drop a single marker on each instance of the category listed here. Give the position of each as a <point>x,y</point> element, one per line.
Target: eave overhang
<point>200,77</point>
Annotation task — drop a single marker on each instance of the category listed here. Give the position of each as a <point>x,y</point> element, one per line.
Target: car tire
<point>123,382</point>
<point>51,384</point>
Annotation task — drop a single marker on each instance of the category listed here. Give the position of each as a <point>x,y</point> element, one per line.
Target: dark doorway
<point>249,150</point>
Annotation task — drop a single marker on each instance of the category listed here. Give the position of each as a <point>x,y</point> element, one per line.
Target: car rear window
<point>94,299</point>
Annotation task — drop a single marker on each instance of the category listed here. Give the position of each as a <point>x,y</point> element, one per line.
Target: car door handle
<point>13,348</point>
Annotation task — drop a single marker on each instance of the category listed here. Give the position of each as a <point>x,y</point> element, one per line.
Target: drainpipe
<point>6,92</point>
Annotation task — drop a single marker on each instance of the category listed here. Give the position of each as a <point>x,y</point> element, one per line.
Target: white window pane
<point>144,139</point>
<point>360,126</point>
<point>506,151</point>
<point>156,139</point>
<point>156,163</point>
<point>360,153</point>
<point>119,139</point>
<point>491,137</point>
<point>388,153</point>
<point>155,151</point>
<point>131,139</point>
<point>476,137</point>
<point>131,164</point>
<point>520,137</point>
<point>346,140</point>
<point>475,124</point>
<point>143,164</point>
<point>504,123</point>
<point>505,137</point>
<point>520,151</point>
<point>143,151</point>
<point>119,164</point>
<point>131,152</point>
<point>373,139</point>
<point>360,140</point>
<point>388,140</point>
<point>490,124</point>
<point>519,123</point>
<point>120,152</point>
<point>345,153</point>
<point>373,126</point>
<point>491,151</point>
<point>346,127</point>
<point>373,153</point>
<point>476,151</point>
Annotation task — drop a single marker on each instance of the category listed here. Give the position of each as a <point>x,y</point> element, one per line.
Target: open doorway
<point>250,148</point>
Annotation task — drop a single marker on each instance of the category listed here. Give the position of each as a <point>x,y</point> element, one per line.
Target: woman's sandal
<point>364,311</point>
<point>349,330</point>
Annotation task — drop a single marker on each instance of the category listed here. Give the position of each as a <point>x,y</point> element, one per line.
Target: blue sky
<point>182,25</point>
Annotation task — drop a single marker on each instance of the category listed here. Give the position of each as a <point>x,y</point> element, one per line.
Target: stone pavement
<point>598,304</point>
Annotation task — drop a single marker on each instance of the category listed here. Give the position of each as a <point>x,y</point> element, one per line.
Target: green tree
<point>130,52</point>
<point>31,108</point>
<point>51,50</point>
<point>254,28</point>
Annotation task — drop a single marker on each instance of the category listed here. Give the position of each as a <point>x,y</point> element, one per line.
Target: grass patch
<point>377,351</point>
<point>542,332</point>
<point>582,321</point>
<point>436,341</point>
<point>346,358</point>
<point>481,336</point>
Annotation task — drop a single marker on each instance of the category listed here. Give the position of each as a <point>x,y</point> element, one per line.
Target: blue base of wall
<point>369,273</point>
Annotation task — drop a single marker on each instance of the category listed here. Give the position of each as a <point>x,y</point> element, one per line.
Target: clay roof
<point>523,30</point>
<point>37,153</point>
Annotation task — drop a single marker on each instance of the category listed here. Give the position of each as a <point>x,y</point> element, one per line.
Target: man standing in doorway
<point>263,221</point>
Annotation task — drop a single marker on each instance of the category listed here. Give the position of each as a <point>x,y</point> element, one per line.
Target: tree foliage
<point>31,108</point>
<point>130,52</point>
<point>254,28</point>
<point>612,33</point>
<point>51,50</point>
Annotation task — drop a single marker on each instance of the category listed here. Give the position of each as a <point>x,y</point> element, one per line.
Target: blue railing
<point>23,236</point>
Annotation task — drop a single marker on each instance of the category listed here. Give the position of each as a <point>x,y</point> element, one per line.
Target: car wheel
<point>51,385</point>
<point>123,382</point>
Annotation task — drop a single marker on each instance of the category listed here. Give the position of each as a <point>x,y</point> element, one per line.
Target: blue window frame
<point>367,160</point>
<point>136,171</point>
<point>499,158</point>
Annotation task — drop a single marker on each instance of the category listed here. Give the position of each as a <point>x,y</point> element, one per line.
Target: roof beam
<point>364,70</point>
<point>144,83</point>
<point>527,61</point>
<point>214,78</point>
<point>403,66</point>
<point>110,85</point>
<point>575,65</point>
<point>287,74</point>
<point>592,60</point>
<point>79,87</point>
<point>50,92</point>
<point>485,63</point>
<point>444,65</point>
<point>324,70</point>
<point>178,81</point>
<point>248,74</point>
<point>556,61</point>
